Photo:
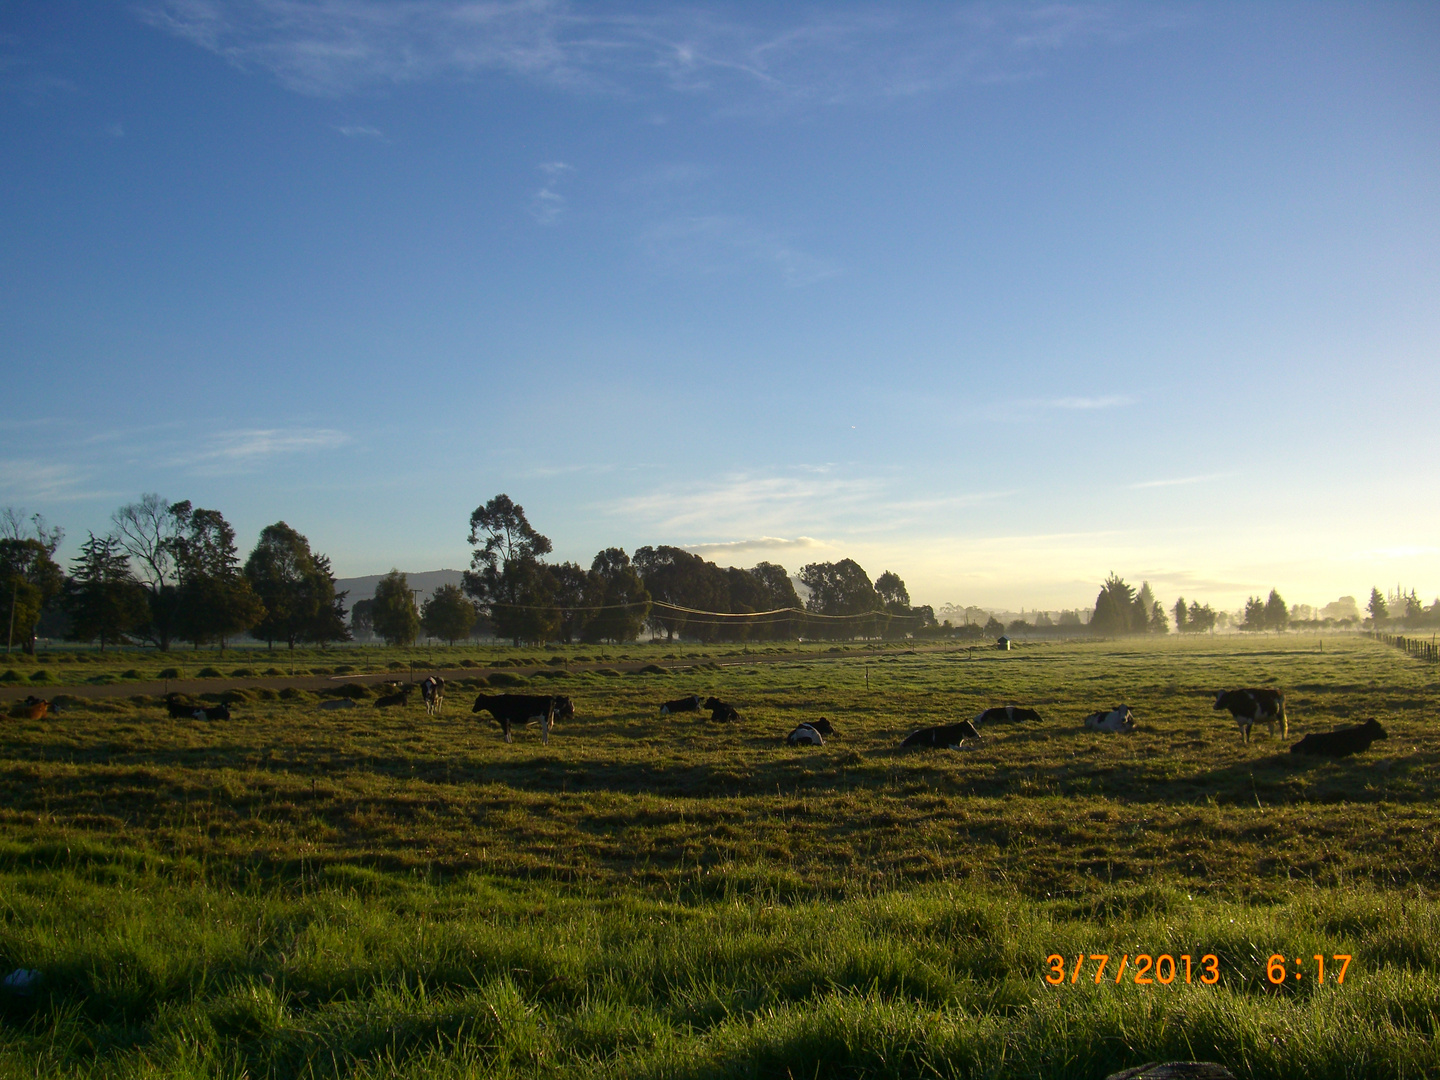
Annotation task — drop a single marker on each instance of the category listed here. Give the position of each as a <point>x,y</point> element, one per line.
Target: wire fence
<point>1411,646</point>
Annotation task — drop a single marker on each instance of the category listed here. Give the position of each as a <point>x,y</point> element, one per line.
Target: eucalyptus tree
<point>297,588</point>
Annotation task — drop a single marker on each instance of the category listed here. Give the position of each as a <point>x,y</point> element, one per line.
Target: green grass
<point>373,892</point>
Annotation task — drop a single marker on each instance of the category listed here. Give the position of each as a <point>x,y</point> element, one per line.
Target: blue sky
<point>1000,297</point>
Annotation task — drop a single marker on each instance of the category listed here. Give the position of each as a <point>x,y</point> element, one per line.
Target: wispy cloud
<point>243,450</point>
<point>750,503</point>
<point>27,479</point>
<point>1398,551</point>
<point>547,204</point>
<point>337,47</point>
<point>709,244</point>
<point>1106,401</point>
<point>759,543</point>
<point>359,131</point>
<point>115,131</point>
<point>1178,481</point>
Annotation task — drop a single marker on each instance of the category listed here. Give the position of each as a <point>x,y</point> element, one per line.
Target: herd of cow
<point>1247,707</point>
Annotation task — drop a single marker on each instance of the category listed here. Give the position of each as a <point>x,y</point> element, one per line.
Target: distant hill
<point>427,581</point>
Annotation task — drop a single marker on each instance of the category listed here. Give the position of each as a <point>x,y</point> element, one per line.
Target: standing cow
<point>433,691</point>
<point>1251,707</point>
<point>511,709</point>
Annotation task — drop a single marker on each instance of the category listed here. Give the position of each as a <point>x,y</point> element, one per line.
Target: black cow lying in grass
<point>811,733</point>
<point>684,704</point>
<point>183,710</point>
<point>1342,742</point>
<point>389,701</point>
<point>1251,707</point>
<point>944,735</point>
<point>511,709</point>
<point>1004,712</point>
<point>720,711</point>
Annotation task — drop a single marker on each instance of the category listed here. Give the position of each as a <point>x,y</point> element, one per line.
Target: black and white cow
<point>433,691</point>
<point>720,711</point>
<point>1251,707</point>
<point>942,735</point>
<point>1118,720</point>
<point>1004,712</point>
<point>511,709</point>
<point>1342,742</point>
<point>811,733</point>
<point>684,704</point>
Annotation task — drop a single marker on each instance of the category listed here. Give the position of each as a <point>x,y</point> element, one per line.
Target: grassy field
<point>372,892</point>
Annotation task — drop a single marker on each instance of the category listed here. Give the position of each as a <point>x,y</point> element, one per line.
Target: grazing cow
<point>400,697</point>
<point>511,709</point>
<point>340,703</point>
<point>943,735</point>
<point>212,712</point>
<point>720,711</point>
<point>1250,707</point>
<point>1004,712</point>
<point>1342,742</point>
<point>35,708</point>
<point>433,691</point>
<point>1118,719</point>
<point>684,704</point>
<point>805,735</point>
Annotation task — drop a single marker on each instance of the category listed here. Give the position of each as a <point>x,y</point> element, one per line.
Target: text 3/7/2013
<point>1147,970</point>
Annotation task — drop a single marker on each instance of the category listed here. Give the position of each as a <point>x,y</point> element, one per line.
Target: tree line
<point>169,572</point>
<point>515,593</point>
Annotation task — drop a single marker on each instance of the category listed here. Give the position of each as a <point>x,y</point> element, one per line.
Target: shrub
<point>397,665</point>
<point>351,690</point>
<point>290,693</point>
<point>504,678</point>
<point>131,673</point>
<point>11,675</point>
<point>242,673</point>
<point>208,673</point>
<point>651,669</point>
<point>463,663</point>
<point>172,673</point>
<point>272,671</point>
<point>41,676</point>
<point>343,669</point>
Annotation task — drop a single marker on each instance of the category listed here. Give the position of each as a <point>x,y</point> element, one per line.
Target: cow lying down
<point>811,733</point>
<point>943,735</point>
<point>1342,742</point>
<point>1118,719</point>
<point>180,710</point>
<point>720,711</point>
<point>684,704</point>
<point>1003,713</point>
